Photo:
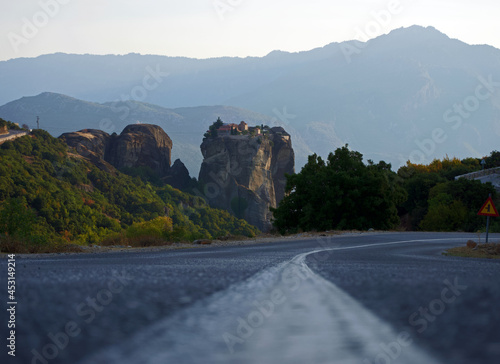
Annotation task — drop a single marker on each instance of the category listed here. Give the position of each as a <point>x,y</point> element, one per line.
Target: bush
<point>159,228</point>
<point>453,206</point>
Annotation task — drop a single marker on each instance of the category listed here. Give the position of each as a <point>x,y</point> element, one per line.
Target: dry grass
<point>473,250</point>
<point>146,241</point>
<point>230,237</point>
<point>139,242</point>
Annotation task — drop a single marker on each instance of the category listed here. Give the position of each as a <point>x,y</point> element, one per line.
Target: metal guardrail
<point>479,174</point>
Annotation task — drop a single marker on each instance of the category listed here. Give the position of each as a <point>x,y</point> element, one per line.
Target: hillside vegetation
<point>50,197</point>
<point>345,193</point>
<point>7,125</point>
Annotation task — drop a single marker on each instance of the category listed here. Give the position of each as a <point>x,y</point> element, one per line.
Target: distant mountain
<point>61,114</point>
<point>407,95</point>
<point>412,94</point>
<point>167,81</point>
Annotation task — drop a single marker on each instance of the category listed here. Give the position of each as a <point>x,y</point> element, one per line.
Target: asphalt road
<point>12,134</point>
<point>369,298</point>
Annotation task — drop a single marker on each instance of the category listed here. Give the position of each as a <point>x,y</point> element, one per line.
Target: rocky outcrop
<point>138,146</point>
<point>141,145</point>
<point>178,175</point>
<point>91,144</point>
<point>246,175</point>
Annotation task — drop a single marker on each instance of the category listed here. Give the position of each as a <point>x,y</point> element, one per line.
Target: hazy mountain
<point>61,114</point>
<point>393,97</point>
<point>412,93</point>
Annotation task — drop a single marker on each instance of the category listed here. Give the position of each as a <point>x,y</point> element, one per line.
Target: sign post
<point>488,210</point>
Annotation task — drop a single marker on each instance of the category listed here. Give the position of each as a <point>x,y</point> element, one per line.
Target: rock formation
<point>178,175</point>
<point>91,144</point>
<point>246,174</point>
<point>140,145</point>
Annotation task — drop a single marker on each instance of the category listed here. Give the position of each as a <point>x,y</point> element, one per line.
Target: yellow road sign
<point>489,209</point>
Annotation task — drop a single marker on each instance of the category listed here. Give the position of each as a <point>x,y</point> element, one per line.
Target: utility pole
<point>488,224</point>
<point>38,122</point>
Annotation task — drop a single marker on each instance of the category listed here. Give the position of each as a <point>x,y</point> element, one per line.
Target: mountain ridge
<point>385,100</point>
<point>61,114</point>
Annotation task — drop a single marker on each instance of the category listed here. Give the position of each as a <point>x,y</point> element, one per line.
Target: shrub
<point>159,228</point>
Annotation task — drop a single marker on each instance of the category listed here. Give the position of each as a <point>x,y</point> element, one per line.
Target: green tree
<point>9,125</point>
<point>493,160</point>
<point>445,214</point>
<point>341,193</point>
<point>419,181</point>
<point>453,206</point>
<point>16,217</point>
<point>212,131</point>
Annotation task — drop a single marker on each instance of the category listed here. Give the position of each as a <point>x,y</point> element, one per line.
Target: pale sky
<point>216,28</point>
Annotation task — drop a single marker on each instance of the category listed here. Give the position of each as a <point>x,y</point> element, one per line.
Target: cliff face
<point>140,145</point>
<point>91,144</point>
<point>246,175</point>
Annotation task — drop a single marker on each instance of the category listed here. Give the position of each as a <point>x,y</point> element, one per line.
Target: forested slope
<point>49,195</point>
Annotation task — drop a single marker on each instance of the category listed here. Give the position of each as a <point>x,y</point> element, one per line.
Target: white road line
<point>285,314</point>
